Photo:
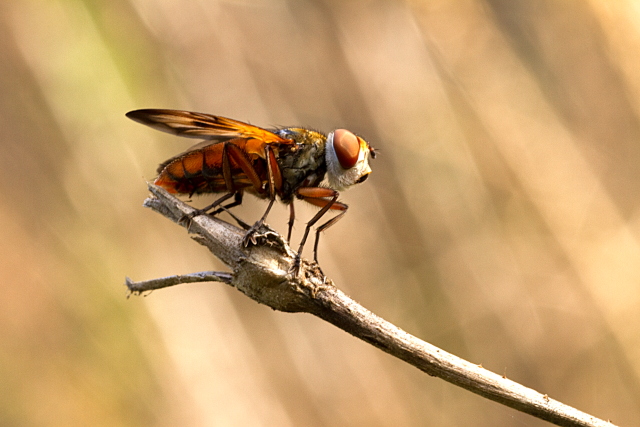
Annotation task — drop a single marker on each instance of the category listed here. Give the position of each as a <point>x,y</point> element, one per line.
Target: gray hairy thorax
<point>303,164</point>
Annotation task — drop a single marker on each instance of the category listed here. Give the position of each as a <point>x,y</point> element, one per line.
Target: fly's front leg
<point>326,199</point>
<point>326,225</point>
<point>292,218</point>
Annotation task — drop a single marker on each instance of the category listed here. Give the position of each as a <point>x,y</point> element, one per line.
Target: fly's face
<point>347,156</point>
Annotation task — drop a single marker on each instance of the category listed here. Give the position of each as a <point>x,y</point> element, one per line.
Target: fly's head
<point>347,156</point>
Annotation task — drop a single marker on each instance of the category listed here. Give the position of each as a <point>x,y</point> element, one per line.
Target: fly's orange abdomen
<point>201,171</point>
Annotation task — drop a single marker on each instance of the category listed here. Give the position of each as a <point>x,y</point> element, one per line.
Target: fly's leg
<point>292,218</point>
<point>322,228</point>
<point>188,217</point>
<point>326,199</point>
<point>225,208</point>
<point>274,185</point>
<point>237,200</point>
<point>228,180</point>
<point>250,236</point>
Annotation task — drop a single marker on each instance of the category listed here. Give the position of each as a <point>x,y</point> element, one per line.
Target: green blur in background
<point>501,221</point>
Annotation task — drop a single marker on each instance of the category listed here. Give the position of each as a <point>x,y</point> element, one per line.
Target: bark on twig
<point>262,273</point>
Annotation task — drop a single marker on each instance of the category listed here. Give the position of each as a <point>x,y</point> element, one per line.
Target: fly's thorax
<point>347,158</point>
<point>303,164</point>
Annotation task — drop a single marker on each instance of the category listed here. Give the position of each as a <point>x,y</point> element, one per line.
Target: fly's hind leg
<point>228,180</point>
<point>197,212</point>
<point>237,200</point>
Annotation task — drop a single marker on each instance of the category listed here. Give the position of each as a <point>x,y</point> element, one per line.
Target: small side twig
<point>164,282</point>
<point>262,273</point>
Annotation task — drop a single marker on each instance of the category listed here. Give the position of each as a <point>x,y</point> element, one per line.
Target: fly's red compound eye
<point>347,148</point>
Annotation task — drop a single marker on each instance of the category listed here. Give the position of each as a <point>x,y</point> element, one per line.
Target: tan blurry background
<point>501,223</point>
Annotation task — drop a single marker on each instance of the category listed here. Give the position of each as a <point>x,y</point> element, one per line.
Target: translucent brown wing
<point>200,125</point>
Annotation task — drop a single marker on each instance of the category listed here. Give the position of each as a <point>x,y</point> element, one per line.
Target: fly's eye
<point>347,148</point>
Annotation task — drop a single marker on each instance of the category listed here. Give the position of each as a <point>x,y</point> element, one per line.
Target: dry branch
<point>262,273</point>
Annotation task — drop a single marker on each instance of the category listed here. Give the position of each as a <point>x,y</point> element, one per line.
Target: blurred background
<point>501,222</point>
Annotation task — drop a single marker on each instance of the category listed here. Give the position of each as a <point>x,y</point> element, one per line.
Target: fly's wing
<point>199,169</point>
<point>200,125</point>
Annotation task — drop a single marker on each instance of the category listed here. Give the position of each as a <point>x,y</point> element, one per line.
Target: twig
<point>153,284</point>
<point>262,273</point>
